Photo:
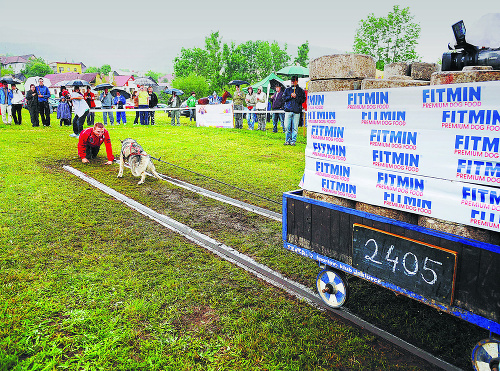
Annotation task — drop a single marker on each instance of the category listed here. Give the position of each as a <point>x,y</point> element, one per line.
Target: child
<point>64,109</point>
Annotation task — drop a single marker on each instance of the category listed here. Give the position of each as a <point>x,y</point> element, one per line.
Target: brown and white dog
<point>138,160</point>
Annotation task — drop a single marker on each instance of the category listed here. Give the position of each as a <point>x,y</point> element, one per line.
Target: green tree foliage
<point>389,39</point>
<point>36,67</point>
<point>105,69</point>
<point>303,55</point>
<point>6,71</point>
<point>92,70</point>
<point>220,63</point>
<point>154,75</point>
<point>192,82</point>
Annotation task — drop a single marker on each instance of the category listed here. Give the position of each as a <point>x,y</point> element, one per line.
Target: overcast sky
<point>144,35</point>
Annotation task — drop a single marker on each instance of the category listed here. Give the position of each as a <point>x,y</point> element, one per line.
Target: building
<point>17,63</point>
<point>59,79</point>
<point>65,67</point>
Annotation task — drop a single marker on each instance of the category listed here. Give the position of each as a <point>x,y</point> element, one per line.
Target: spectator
<point>191,103</point>
<point>238,100</point>
<point>153,101</point>
<point>90,142</point>
<point>43,102</point>
<point>64,109</point>
<point>251,100</point>
<point>32,105</point>
<point>107,102</point>
<point>175,102</point>
<point>81,109</point>
<point>277,99</point>
<point>6,103</point>
<point>63,92</point>
<point>119,101</point>
<point>294,96</point>
<point>17,105</point>
<point>90,99</point>
<point>214,98</point>
<point>135,100</point>
<point>143,97</point>
<point>261,106</point>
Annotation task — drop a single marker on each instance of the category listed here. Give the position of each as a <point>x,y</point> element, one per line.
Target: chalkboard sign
<point>419,267</point>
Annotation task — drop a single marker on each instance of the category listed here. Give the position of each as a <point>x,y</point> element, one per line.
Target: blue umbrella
<point>176,91</point>
<point>77,83</point>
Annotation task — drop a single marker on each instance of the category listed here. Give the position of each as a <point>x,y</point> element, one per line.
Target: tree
<point>192,82</point>
<point>154,75</point>
<point>389,39</point>
<point>220,63</point>
<point>105,69</point>
<point>303,55</point>
<point>6,71</point>
<point>92,70</point>
<point>36,67</point>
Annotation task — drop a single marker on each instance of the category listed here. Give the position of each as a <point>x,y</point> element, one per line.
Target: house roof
<point>122,80</point>
<point>169,77</point>
<point>14,59</point>
<point>58,77</point>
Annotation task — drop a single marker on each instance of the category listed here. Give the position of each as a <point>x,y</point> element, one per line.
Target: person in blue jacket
<point>119,101</point>
<point>6,96</point>
<point>293,97</point>
<point>43,102</point>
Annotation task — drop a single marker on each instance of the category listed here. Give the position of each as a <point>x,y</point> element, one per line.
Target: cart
<point>453,274</point>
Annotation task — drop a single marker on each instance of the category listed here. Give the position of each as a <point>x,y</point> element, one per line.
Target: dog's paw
<point>140,182</point>
<point>120,176</point>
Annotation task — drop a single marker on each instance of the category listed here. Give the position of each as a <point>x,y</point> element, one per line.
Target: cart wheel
<point>485,355</point>
<point>332,288</point>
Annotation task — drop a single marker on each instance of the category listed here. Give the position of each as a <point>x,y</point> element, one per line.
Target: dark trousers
<point>34,116</point>
<point>44,110</point>
<point>91,152</point>
<point>152,117</point>
<point>78,123</point>
<point>192,114</point>
<point>16,113</point>
<point>144,115</point>
<point>90,119</point>
<point>136,116</point>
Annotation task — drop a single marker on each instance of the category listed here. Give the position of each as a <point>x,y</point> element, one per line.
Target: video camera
<point>465,54</point>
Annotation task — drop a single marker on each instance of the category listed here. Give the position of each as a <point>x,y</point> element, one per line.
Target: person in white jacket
<point>17,105</point>
<point>261,106</point>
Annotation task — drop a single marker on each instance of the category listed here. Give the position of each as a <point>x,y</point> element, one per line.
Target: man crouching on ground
<point>90,142</point>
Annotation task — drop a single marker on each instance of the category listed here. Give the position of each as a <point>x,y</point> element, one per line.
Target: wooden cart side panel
<point>321,237</point>
<point>488,285</point>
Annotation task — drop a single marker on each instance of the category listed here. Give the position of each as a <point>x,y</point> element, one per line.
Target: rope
<point>218,181</point>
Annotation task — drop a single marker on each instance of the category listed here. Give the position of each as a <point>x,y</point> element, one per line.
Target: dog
<point>138,160</point>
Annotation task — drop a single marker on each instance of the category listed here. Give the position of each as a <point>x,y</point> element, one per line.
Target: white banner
<point>217,115</point>
<point>460,202</point>
<point>431,150</point>
<point>443,131</point>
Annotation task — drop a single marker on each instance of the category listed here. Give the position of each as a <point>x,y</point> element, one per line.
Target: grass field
<point>87,284</point>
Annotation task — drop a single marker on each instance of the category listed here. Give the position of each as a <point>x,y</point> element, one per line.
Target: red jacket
<point>89,98</point>
<point>88,138</point>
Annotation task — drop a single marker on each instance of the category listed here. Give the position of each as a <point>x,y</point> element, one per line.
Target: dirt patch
<point>202,212</point>
<point>200,318</point>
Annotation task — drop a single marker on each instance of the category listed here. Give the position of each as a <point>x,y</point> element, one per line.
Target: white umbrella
<point>34,80</point>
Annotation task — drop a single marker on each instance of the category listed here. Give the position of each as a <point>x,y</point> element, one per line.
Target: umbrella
<point>176,91</point>
<point>34,80</point>
<point>238,82</point>
<point>276,82</point>
<point>121,91</point>
<point>144,81</point>
<point>104,86</point>
<point>77,83</point>
<point>10,80</point>
<point>61,83</point>
<point>294,70</point>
